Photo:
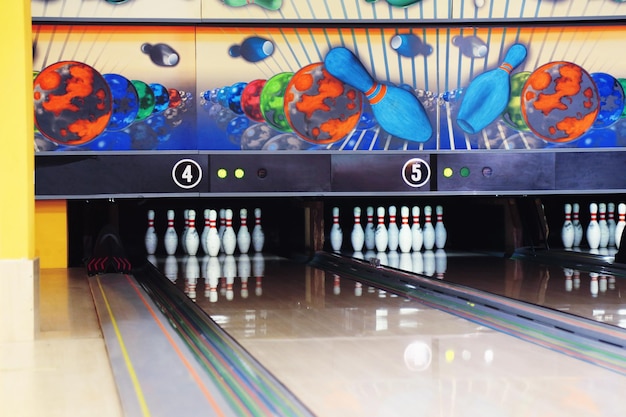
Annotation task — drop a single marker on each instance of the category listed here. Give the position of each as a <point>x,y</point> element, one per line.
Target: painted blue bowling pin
<point>488,94</point>
<point>252,49</point>
<point>409,45</point>
<point>471,46</point>
<point>397,111</point>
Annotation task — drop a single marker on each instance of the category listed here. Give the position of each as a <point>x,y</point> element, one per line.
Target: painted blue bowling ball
<point>236,127</point>
<point>125,102</point>
<point>110,141</point>
<point>222,96</point>
<point>161,97</point>
<point>234,97</point>
<point>159,125</point>
<point>611,99</point>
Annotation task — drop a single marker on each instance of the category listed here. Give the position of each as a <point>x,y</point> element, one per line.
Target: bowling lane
<point>347,349</point>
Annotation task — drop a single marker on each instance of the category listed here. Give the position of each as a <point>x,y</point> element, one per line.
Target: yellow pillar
<point>19,269</point>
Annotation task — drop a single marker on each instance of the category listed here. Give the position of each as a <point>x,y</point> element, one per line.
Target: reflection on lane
<point>348,349</point>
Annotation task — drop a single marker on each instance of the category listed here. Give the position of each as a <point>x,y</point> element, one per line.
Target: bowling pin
<point>418,262</point>
<point>488,94</point>
<point>578,227</point>
<point>258,237</point>
<point>243,235</point>
<point>192,240</point>
<point>441,234</point>
<point>471,46</point>
<point>336,234</point>
<point>229,239</point>
<point>151,239</point>
<point>170,269</point>
<point>621,222</point>
<point>266,4</point>
<point>441,263</point>
<point>405,239</point>
<point>192,273</point>
<point>593,284</point>
<point>397,111</point>
<point>230,272</point>
<point>392,230</point>
<point>205,231</point>
<point>567,231</point>
<point>604,227</point>
<point>252,49</point>
<point>430,266</point>
<point>593,229</point>
<point>213,243</point>
<point>417,238</point>
<point>610,212</point>
<point>183,242</point>
<point>161,54</point>
<point>222,228</point>
<point>409,45</point>
<point>406,264</point>
<point>170,240</point>
<point>357,237</point>
<point>429,231</point>
<point>370,242</point>
<point>381,239</point>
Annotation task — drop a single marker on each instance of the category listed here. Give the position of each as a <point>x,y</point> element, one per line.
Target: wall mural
<point>515,85</point>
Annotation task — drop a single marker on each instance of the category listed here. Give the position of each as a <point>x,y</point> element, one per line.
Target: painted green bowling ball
<point>273,100</point>
<point>73,103</point>
<point>513,113</point>
<point>560,101</point>
<point>147,100</point>
<point>622,82</point>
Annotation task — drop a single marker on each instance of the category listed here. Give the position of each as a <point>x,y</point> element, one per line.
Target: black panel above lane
<point>91,175</point>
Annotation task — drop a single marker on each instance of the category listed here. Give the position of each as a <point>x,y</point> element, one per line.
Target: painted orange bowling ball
<point>320,108</point>
<point>73,103</point>
<point>559,101</point>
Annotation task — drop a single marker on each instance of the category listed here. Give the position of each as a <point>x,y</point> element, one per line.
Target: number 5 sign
<point>416,172</point>
<point>187,173</point>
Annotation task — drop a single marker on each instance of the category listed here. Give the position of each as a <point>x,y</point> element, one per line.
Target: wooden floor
<point>65,371</point>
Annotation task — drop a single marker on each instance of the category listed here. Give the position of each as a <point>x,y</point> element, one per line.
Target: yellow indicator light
<point>239,173</point>
<point>222,173</point>
<point>447,172</point>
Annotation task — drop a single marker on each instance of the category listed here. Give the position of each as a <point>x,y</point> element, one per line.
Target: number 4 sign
<point>187,173</point>
<point>416,172</point>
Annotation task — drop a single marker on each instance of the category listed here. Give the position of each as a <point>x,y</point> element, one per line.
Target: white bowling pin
<point>441,234</point>
<point>406,264</point>
<point>593,284</point>
<point>336,234</point>
<point>610,214</point>
<point>381,239</point>
<point>151,238</point>
<point>428,231</point>
<point>213,243</point>
<point>604,227</point>
<point>258,237</point>
<point>405,239</point>
<point>370,242</point>
<point>229,239</point>
<point>567,231</point>
<point>621,222</point>
<point>441,263</point>
<point>243,235</point>
<point>578,227</point>
<point>430,267</point>
<point>393,232</point>
<point>183,242</point>
<point>417,236</point>
<point>192,273</point>
<point>222,228</point>
<point>357,237</point>
<point>170,240</point>
<point>192,239</point>
<point>205,231</point>
<point>230,268</point>
<point>418,262</point>
<point>593,228</point>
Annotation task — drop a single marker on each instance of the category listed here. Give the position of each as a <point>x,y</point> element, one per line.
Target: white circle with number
<point>416,172</point>
<point>187,173</point>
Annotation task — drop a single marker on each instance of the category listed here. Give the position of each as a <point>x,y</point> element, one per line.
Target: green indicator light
<point>239,173</point>
<point>447,172</point>
<point>222,173</point>
<point>465,171</point>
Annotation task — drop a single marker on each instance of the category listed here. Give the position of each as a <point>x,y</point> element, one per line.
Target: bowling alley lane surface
<point>348,349</point>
